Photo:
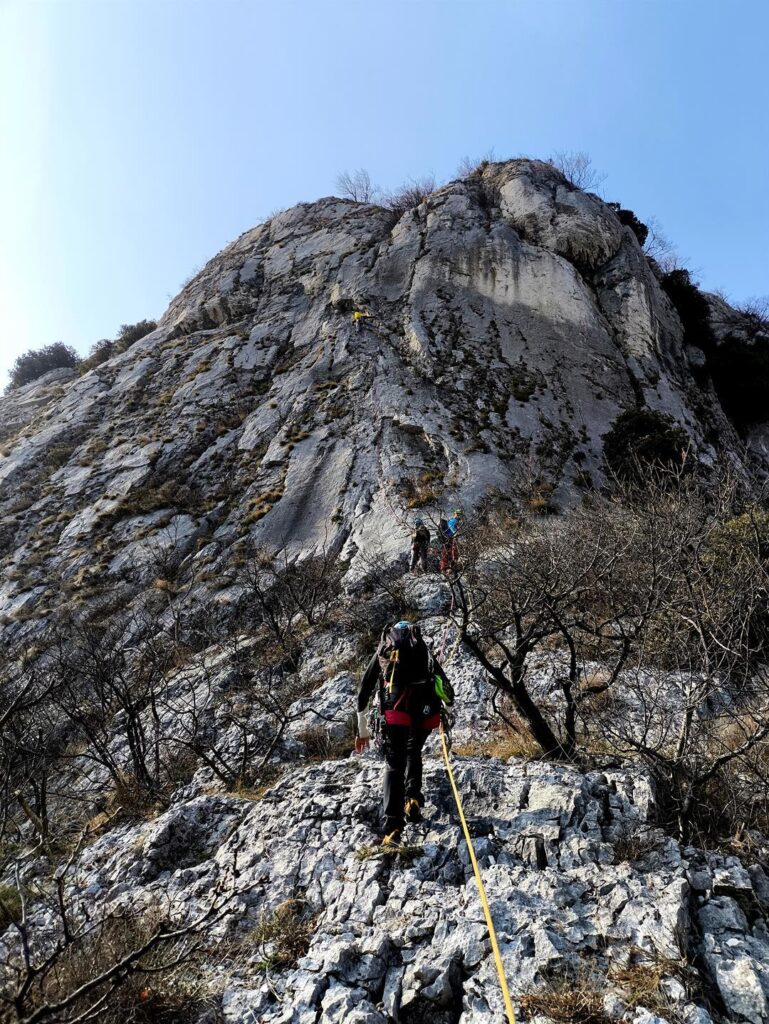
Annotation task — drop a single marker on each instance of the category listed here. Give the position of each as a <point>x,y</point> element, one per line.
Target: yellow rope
<point>481,890</point>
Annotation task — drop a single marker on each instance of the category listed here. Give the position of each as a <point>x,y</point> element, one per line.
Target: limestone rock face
<point>510,319</point>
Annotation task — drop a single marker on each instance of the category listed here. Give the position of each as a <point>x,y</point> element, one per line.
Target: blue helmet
<point>418,521</point>
<point>403,624</point>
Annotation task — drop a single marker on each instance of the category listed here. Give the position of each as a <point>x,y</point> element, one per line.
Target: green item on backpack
<point>441,692</point>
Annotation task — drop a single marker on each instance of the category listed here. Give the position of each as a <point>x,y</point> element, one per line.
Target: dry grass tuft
<point>284,936</point>
<point>575,1001</point>
<point>320,745</point>
<point>404,852</point>
<point>640,983</point>
<point>504,742</point>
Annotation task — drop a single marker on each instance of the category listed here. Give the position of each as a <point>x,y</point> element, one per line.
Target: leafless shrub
<point>469,166</point>
<point>634,846</point>
<point>410,195</point>
<point>577,167</point>
<point>285,593</point>
<point>654,607</point>
<point>235,734</point>
<point>357,186</point>
<point>659,248</point>
<point>66,963</point>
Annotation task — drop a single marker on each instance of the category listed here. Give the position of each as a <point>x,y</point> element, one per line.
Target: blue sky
<point>137,137</point>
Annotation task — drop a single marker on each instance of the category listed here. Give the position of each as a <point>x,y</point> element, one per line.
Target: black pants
<point>403,775</point>
<point>419,557</point>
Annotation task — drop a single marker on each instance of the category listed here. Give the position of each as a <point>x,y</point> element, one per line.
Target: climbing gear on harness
<point>481,890</point>
<point>413,811</point>
<point>375,725</point>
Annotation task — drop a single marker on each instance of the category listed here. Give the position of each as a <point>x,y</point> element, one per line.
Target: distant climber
<point>412,689</point>
<point>448,529</point>
<point>358,316</point>
<point>420,545</point>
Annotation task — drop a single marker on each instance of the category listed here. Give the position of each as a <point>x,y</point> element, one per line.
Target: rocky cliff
<point>511,319</point>
<point>508,320</point>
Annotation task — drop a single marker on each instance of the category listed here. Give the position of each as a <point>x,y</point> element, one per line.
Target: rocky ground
<point>585,890</point>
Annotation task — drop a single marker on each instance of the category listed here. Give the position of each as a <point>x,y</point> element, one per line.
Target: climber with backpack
<point>448,529</point>
<point>412,690</point>
<point>420,543</point>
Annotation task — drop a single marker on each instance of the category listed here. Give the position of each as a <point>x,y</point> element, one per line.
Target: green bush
<point>10,905</point>
<point>739,370</point>
<point>35,362</point>
<point>629,219</point>
<point>105,349</point>
<point>99,353</point>
<point>692,307</point>
<point>640,439</point>
<point>129,334</point>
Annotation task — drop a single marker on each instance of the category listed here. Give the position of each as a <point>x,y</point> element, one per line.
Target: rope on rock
<point>481,889</point>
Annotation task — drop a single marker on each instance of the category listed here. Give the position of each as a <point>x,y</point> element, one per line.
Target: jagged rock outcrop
<point>577,874</point>
<point>572,862</point>
<point>512,318</point>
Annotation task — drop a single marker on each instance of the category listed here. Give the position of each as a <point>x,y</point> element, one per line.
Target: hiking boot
<point>413,811</point>
<point>392,839</point>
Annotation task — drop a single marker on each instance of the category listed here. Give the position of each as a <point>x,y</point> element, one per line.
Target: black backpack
<point>404,659</point>
<point>420,536</point>
<point>444,531</point>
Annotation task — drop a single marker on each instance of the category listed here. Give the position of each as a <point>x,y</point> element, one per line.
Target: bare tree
<point>694,702</point>
<point>577,167</point>
<point>357,186</point>
<point>652,612</point>
<point>469,165</point>
<point>659,248</point>
<point>529,586</point>
<point>410,195</point>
